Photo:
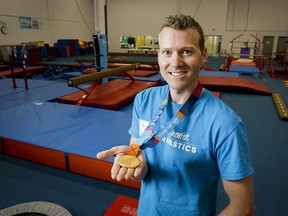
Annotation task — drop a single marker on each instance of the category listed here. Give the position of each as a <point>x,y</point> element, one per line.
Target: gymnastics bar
<point>122,61</point>
<point>29,69</point>
<point>73,82</point>
<point>127,61</point>
<point>23,71</point>
<point>137,73</point>
<point>132,54</point>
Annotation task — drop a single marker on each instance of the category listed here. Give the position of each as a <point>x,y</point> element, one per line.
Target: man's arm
<point>241,196</point>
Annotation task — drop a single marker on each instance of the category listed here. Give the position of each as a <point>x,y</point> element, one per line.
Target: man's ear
<point>204,56</point>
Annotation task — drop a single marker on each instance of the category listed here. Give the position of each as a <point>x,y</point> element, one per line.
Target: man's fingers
<point>115,168</point>
<point>121,174</point>
<point>111,152</point>
<point>129,174</point>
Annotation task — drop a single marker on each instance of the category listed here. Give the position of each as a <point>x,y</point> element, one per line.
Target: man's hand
<point>120,173</point>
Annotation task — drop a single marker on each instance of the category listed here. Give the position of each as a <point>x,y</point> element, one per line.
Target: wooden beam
<point>281,107</point>
<point>73,82</point>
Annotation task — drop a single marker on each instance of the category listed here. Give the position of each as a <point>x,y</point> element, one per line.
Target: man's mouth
<point>177,73</point>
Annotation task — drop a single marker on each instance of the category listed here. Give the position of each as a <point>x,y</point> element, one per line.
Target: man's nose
<point>176,60</point>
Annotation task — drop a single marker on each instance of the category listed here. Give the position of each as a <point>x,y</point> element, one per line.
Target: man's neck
<point>180,97</point>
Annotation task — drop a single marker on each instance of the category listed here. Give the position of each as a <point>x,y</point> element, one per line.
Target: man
<point>180,171</point>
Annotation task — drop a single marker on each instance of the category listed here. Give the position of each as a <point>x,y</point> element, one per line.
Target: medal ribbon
<point>150,139</point>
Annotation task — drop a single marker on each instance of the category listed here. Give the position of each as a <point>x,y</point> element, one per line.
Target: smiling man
<point>189,138</point>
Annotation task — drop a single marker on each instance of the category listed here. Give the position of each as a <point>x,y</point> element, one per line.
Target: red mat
<point>123,206</point>
<point>112,95</point>
<point>233,83</point>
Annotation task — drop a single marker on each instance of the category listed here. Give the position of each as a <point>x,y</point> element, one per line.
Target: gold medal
<point>129,161</point>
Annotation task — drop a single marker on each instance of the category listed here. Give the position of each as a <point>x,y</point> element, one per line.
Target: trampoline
<point>38,208</point>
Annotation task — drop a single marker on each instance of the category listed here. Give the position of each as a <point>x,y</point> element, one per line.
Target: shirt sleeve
<point>134,129</point>
<point>233,156</point>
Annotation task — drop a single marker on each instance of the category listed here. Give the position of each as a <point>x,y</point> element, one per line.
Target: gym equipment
<point>24,70</point>
<point>278,71</point>
<point>111,95</point>
<point>135,73</point>
<point>65,137</point>
<point>35,208</point>
<point>233,84</point>
<point>280,105</point>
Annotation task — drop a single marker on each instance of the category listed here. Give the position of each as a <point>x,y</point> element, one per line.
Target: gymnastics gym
<point>69,73</point>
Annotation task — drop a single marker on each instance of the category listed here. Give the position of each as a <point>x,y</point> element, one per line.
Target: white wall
<point>217,17</point>
<point>60,19</point>
<point>136,18</point>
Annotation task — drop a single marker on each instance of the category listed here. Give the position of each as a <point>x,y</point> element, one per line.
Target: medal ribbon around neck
<point>149,139</point>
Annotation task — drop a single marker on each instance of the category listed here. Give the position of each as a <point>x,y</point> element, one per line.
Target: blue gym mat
<point>39,90</point>
<point>244,70</point>
<point>71,129</point>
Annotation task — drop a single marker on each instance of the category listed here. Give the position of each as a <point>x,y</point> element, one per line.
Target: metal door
<point>268,46</point>
<point>282,44</point>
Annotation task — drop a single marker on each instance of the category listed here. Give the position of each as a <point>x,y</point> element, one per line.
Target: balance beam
<point>128,61</point>
<point>73,82</point>
<point>281,107</point>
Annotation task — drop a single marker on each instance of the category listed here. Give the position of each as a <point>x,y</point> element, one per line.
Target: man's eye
<point>166,53</point>
<point>187,52</point>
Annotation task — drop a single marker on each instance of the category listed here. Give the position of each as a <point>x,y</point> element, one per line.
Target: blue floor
<point>23,181</point>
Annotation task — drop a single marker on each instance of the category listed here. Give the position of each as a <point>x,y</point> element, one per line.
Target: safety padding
<point>38,154</point>
<point>231,84</point>
<point>96,169</point>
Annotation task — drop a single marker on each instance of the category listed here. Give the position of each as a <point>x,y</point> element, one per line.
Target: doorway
<point>268,46</point>
<point>213,44</point>
<point>282,44</point>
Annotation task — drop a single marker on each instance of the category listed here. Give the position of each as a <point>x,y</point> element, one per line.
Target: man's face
<point>180,58</point>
